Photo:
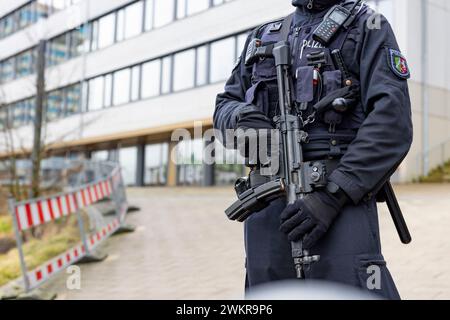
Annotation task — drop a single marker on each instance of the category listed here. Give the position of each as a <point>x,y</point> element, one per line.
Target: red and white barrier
<point>37,212</point>
<point>71,256</point>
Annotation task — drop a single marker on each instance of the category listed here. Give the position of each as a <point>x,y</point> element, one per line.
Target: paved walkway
<point>184,248</point>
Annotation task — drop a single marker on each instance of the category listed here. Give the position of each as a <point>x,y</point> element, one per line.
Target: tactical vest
<point>326,141</point>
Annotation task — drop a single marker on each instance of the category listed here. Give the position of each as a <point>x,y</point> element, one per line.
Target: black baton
<point>396,213</point>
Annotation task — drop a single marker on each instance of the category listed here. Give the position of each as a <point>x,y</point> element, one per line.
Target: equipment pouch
<point>305,84</point>
<point>332,81</point>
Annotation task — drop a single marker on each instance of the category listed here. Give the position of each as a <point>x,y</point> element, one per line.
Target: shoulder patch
<point>398,64</point>
<point>276,27</point>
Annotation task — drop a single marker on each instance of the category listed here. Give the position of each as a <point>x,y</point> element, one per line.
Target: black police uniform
<point>370,140</point>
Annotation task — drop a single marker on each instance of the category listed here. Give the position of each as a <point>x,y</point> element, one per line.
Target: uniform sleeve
<point>385,137</point>
<point>232,100</point>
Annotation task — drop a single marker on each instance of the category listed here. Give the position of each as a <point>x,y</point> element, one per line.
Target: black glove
<point>250,117</point>
<point>310,218</point>
<point>255,126</point>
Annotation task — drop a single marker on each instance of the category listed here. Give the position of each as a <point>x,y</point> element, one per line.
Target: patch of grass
<point>438,175</point>
<point>9,266</point>
<point>6,225</point>
<point>38,251</point>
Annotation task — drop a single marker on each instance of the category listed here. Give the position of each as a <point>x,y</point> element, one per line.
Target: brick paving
<point>184,248</point>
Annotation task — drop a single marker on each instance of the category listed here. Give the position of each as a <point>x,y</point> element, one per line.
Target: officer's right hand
<point>250,117</point>
<point>253,133</point>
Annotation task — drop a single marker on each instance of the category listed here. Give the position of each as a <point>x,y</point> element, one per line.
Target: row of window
<point>127,22</point>
<point>177,72</point>
<point>189,156</point>
<point>58,103</point>
<point>18,66</point>
<point>30,13</point>
<point>195,67</point>
<point>155,163</point>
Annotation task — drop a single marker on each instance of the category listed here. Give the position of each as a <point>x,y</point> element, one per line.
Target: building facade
<point>122,75</point>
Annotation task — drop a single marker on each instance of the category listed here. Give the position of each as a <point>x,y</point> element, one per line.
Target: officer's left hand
<point>310,218</point>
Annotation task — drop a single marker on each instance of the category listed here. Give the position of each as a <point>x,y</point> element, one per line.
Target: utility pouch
<point>305,85</point>
<point>332,81</point>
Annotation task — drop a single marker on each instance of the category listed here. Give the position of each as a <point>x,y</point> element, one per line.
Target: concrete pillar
<point>140,165</point>
<point>171,166</point>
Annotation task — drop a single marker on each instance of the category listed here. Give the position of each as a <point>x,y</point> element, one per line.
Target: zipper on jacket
<point>296,46</point>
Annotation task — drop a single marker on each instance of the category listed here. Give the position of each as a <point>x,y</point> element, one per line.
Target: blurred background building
<point>121,75</point>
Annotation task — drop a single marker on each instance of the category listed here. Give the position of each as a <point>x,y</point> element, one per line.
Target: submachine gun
<point>296,178</point>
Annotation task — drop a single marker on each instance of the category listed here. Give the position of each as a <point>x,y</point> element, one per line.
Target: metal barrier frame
<point>32,212</point>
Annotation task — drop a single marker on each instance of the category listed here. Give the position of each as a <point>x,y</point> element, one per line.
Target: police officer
<point>368,142</point>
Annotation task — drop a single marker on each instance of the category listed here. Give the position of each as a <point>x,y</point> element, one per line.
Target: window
<point>32,109</point>
<point>7,70</point>
<point>189,159</point>
<point>121,92</point>
<point>25,63</point>
<point>55,105</point>
<point>106,28</point>
<point>95,94</point>
<point>73,99</point>
<point>108,90</point>
<point>8,24</point>
<point>189,7</point>
<point>166,75</point>
<point>165,11</point>
<point>156,159</point>
<point>4,118</point>
<point>26,16</point>
<point>151,79</point>
<point>94,36</point>
<point>58,50</point>
<point>181,9</point>
<point>20,112</point>
<point>84,96</point>
<point>184,70</point>
<point>222,59</point>
<point>133,19</point>
<point>135,82</point>
<point>149,14</point>
<point>43,8</point>
<point>202,66</point>
<point>79,40</point>
<point>30,13</point>
<point>194,6</point>
<point>120,25</point>
<point>128,163</point>
<point>101,155</point>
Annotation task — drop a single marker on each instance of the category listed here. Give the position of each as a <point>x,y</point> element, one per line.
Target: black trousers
<point>350,252</point>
